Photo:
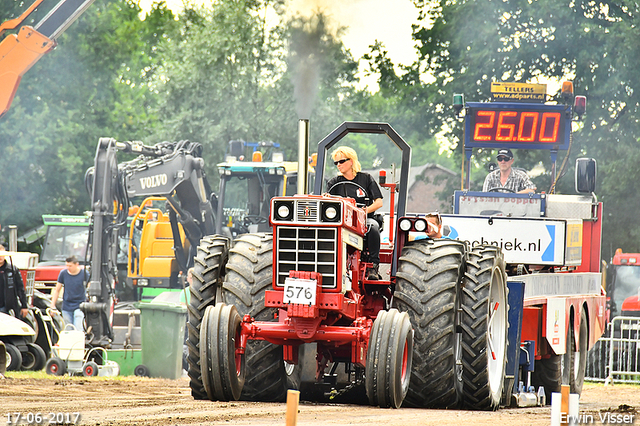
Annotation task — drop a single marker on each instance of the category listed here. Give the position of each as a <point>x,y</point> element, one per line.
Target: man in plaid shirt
<point>508,178</point>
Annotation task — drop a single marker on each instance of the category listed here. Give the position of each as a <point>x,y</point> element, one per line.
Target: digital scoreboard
<point>517,125</point>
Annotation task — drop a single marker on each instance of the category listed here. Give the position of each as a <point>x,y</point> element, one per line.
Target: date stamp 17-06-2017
<point>50,418</point>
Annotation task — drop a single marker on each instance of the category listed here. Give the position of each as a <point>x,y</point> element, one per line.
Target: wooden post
<point>293,397</point>
<point>564,406</point>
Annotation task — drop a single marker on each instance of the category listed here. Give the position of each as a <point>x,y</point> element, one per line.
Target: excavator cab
<point>152,261</point>
<point>246,187</point>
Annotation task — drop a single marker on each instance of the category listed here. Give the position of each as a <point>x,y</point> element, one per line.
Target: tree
<point>93,84</point>
<point>467,44</point>
<point>230,76</point>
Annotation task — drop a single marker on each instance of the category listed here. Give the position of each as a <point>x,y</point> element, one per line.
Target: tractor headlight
<point>405,224</point>
<point>283,210</point>
<point>143,282</point>
<point>331,212</point>
<point>420,225</point>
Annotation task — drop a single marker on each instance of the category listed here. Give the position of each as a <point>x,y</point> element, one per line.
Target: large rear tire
<point>208,272</point>
<point>223,368</point>
<point>248,274</point>
<point>484,326</point>
<point>389,359</point>
<point>428,278</point>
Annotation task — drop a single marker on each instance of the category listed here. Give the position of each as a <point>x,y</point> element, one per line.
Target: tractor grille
<point>307,211</point>
<point>31,279</point>
<point>307,249</point>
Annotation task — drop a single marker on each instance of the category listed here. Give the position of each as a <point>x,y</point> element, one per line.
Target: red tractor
<point>431,333</point>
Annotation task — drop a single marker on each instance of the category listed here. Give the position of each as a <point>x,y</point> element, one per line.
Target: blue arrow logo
<point>549,253</point>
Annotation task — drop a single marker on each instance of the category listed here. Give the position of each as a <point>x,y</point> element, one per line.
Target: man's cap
<point>506,152</point>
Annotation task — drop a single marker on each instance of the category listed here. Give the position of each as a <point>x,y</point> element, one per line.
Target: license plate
<point>299,291</point>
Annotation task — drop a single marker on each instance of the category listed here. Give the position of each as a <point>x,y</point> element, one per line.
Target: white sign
<point>299,291</point>
<point>527,241</point>
<point>556,325</point>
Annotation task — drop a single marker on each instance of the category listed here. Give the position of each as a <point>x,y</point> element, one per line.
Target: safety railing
<point>616,356</point>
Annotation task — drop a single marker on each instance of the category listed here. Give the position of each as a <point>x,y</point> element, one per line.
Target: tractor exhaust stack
<point>303,155</point>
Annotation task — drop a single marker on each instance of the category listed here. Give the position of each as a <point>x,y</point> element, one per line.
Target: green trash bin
<point>162,327</point>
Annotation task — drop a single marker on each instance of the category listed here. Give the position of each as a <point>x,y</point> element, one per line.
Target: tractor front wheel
<point>222,366</point>
<point>208,272</point>
<point>389,359</point>
<point>248,274</point>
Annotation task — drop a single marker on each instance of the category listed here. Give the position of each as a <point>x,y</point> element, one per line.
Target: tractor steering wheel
<point>497,189</point>
<point>252,219</point>
<point>344,182</point>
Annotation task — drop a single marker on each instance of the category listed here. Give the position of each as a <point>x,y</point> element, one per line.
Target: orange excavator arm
<point>18,52</point>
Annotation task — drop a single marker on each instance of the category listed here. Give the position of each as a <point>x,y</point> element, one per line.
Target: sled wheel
<point>223,367</point>
<point>142,370</point>
<point>56,366</point>
<point>484,328</point>
<point>38,355</point>
<point>389,359</point>
<point>574,361</point>
<point>14,358</point>
<point>90,369</point>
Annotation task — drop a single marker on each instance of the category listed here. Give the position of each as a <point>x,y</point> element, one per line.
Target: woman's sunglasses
<point>344,160</point>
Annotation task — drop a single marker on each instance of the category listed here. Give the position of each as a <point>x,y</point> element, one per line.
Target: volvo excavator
<point>166,244</point>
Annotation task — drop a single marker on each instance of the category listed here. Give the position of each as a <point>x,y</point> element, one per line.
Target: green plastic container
<point>162,328</point>
<point>127,359</point>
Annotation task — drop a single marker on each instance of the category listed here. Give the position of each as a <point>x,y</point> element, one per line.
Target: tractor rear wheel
<point>248,274</point>
<point>484,326</point>
<point>427,288</point>
<point>222,367</point>
<point>208,272</point>
<point>14,358</point>
<point>389,359</point>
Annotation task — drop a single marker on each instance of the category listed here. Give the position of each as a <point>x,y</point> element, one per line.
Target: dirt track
<point>139,401</point>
